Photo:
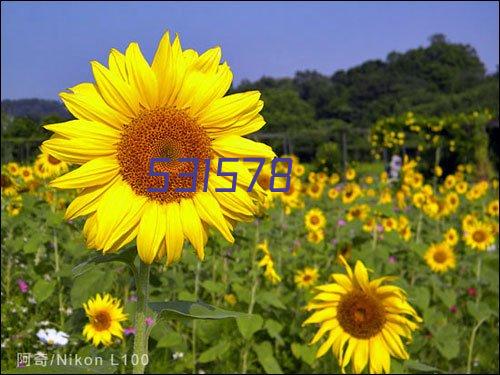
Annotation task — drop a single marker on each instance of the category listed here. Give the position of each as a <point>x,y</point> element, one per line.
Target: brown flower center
<point>264,181</point>
<point>101,321</point>
<point>6,181</point>
<point>314,220</point>
<point>163,133</point>
<point>361,314</point>
<point>52,160</point>
<point>440,256</point>
<point>479,236</point>
<point>307,278</point>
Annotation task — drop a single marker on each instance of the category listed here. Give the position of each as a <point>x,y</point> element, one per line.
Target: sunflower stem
<point>374,238</point>
<point>196,292</point>
<point>478,279</point>
<point>141,335</point>
<point>471,345</point>
<point>55,244</point>
<point>419,226</point>
<point>255,284</point>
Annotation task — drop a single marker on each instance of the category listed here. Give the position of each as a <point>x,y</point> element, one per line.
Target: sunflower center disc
<point>479,236</point>
<point>53,160</point>
<point>314,220</point>
<point>163,133</point>
<point>440,257</point>
<point>361,314</point>
<point>101,321</point>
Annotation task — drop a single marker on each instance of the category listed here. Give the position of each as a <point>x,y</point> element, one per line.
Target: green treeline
<point>306,112</point>
<point>441,78</point>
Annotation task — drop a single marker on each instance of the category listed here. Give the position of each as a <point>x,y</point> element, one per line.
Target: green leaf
<point>304,352</point>
<point>32,245</point>
<point>214,352</point>
<point>192,310</point>
<point>43,289</point>
<point>169,340</point>
<point>421,297</point>
<point>213,286</point>
<point>89,284</point>
<point>274,328</point>
<point>479,311</point>
<point>266,358</point>
<point>448,348</point>
<point>420,367</point>
<point>126,256</point>
<point>448,296</point>
<point>267,298</point>
<point>249,324</point>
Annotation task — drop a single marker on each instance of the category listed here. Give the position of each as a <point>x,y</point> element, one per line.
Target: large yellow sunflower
<point>105,315</point>
<point>174,108</point>
<point>479,236</point>
<point>440,257</point>
<point>365,320</point>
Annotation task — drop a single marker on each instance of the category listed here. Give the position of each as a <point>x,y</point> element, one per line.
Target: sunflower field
<point>294,268</point>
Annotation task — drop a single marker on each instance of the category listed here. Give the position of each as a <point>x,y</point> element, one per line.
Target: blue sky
<point>47,46</point>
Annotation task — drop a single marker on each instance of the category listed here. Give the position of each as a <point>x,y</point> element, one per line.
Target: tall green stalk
<point>255,283</point>
<point>141,334</point>
<point>193,334</point>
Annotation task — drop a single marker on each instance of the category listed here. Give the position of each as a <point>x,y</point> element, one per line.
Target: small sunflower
<point>298,170</point>
<point>389,224</point>
<point>492,208</point>
<point>13,169</point>
<point>452,201</point>
<point>334,179</point>
<point>315,190</point>
<point>26,173</point>
<point>479,236</point>
<point>358,212</point>
<point>333,193</point>
<point>350,174</point>
<point>449,181</point>
<point>315,219</point>
<point>47,166</point>
<point>440,257</point>
<point>307,277</point>
<point>350,192</point>
<point>461,187</point>
<point>105,315</point>
<point>364,320</point>
<point>451,237</point>
<point>468,222</point>
<point>316,236</point>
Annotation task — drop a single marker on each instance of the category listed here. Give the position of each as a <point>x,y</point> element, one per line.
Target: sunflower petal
<point>151,233</point>
<point>192,227</point>
<point>95,172</point>
<point>141,76</point>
